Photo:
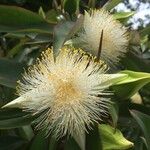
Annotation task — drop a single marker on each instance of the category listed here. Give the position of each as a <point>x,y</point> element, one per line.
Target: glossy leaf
<point>40,39</point>
<point>112,139</point>
<point>111,4</point>
<point>64,31</point>
<point>144,122</point>
<point>16,19</point>
<point>61,33</point>
<point>26,132</point>
<point>42,13</point>
<point>71,6</point>
<point>113,110</point>
<point>51,15</point>
<point>134,62</point>
<point>71,145</point>
<point>130,85</point>
<point>8,142</point>
<point>40,142</point>
<point>52,143</point>
<point>17,48</point>
<point>11,113</point>
<point>10,72</point>
<point>123,15</point>
<point>93,139</point>
<point>139,107</point>
<point>14,118</point>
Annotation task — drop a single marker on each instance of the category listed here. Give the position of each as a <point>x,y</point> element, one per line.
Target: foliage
<point>26,32</point>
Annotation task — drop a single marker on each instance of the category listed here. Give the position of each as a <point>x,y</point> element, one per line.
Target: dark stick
<point>100,46</point>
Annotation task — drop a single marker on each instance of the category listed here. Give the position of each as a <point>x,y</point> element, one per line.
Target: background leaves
<point>22,20</point>
<point>27,29</point>
<point>10,71</point>
<point>131,85</point>
<point>144,122</point>
<point>112,139</point>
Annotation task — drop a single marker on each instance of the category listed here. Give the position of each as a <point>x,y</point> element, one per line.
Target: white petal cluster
<point>114,41</point>
<point>70,89</point>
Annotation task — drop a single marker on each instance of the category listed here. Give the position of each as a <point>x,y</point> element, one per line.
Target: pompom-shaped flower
<point>70,88</point>
<point>114,38</point>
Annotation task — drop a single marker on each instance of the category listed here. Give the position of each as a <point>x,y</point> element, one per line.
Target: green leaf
<point>71,6</point>
<point>11,113</point>
<point>134,62</point>
<point>52,143</point>
<point>112,139</point>
<point>144,122</point>
<point>40,39</point>
<point>17,47</point>
<point>134,76</point>
<point>14,118</point>
<point>64,31</point>
<point>113,79</point>
<point>51,15</point>
<point>26,132</point>
<point>123,15</point>
<point>16,19</point>
<point>113,110</point>
<point>40,142</point>
<point>111,4</point>
<point>8,142</point>
<point>42,13</point>
<point>145,31</point>
<point>71,145</point>
<point>61,33</point>
<point>139,107</point>
<point>93,139</point>
<point>10,72</point>
<point>132,84</point>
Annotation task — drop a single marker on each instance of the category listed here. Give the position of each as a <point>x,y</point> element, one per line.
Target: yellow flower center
<point>65,89</point>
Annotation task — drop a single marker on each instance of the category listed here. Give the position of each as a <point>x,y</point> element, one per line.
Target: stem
<point>100,46</point>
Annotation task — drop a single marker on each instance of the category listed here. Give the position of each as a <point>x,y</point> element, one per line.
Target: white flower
<point>114,41</point>
<point>70,89</point>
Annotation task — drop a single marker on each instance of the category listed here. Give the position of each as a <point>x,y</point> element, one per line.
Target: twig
<point>100,46</point>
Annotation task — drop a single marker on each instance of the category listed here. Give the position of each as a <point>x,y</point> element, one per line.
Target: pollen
<point>66,90</point>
